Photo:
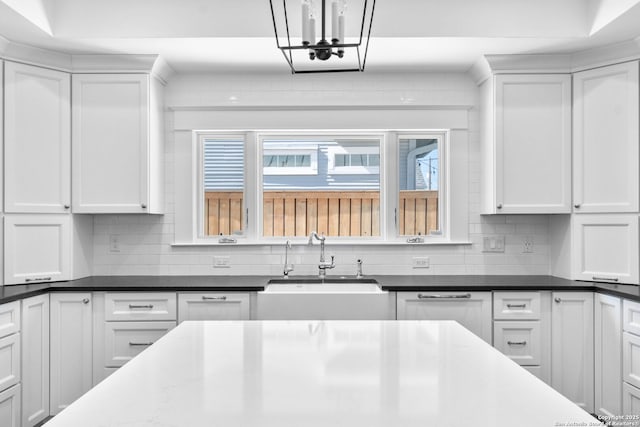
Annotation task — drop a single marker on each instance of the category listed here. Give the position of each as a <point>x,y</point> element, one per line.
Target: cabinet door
<point>10,407</point>
<point>37,248</point>
<point>533,143</point>
<point>606,248</point>
<point>471,309</point>
<point>71,348</point>
<point>110,136</point>
<point>9,361</point>
<point>631,400</point>
<point>35,360</point>
<point>608,345</point>
<point>37,139</point>
<point>605,148</point>
<point>213,306</point>
<point>572,347</point>
<point>631,317</point>
<point>9,318</point>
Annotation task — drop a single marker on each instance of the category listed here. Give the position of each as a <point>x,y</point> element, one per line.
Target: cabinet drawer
<point>630,400</point>
<point>10,407</point>
<point>9,361</point>
<point>518,340</point>
<point>125,340</point>
<point>631,359</point>
<point>140,306</point>
<point>631,316</point>
<point>516,305</point>
<point>213,306</point>
<point>9,318</point>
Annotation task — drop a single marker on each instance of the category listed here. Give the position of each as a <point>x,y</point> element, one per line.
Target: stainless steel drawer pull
<point>517,342</point>
<point>464,296</point>
<point>149,306</point>
<point>38,279</point>
<point>85,300</point>
<point>516,305</point>
<point>556,299</point>
<point>205,298</point>
<point>140,344</point>
<point>605,279</point>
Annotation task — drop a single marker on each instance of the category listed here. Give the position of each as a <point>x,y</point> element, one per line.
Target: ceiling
<point>411,35</point>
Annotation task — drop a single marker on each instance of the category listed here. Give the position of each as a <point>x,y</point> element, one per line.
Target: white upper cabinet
<point>37,120</point>
<point>117,143</point>
<point>606,121</point>
<point>605,248</point>
<point>37,248</point>
<point>527,144</point>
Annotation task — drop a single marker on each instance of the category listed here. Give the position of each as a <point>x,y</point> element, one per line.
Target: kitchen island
<point>321,373</point>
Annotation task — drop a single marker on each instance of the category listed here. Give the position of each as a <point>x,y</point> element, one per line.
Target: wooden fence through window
<point>334,213</point>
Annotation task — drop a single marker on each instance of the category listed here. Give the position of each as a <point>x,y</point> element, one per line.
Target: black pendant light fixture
<point>318,41</point>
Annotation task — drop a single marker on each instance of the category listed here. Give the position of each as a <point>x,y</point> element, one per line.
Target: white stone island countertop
<point>324,373</point>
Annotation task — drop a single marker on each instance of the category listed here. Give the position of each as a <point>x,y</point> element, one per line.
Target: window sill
<point>328,242</point>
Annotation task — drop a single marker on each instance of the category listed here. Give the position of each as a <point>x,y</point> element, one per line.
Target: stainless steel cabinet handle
<point>499,206</point>
<point>516,305</point>
<point>605,279</point>
<point>422,296</point>
<point>38,279</point>
<point>517,342</point>
<point>143,206</point>
<point>577,206</point>
<point>149,306</point>
<point>205,298</point>
<point>67,206</point>
<point>85,301</point>
<point>140,344</point>
<point>556,299</point>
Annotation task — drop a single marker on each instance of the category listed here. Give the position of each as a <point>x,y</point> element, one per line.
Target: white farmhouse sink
<point>328,286</point>
<point>324,299</point>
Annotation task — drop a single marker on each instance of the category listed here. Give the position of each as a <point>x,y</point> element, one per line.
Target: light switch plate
<point>493,244</point>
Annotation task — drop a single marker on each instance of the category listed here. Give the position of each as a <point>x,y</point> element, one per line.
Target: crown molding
<point>85,63</point>
<point>555,63</point>
<point>606,55</point>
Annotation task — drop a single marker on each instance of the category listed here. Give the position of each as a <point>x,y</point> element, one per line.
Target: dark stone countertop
<point>10,293</point>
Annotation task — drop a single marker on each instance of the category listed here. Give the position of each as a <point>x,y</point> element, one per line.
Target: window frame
<point>443,139</point>
<point>200,186</point>
<point>332,169</point>
<point>389,186</point>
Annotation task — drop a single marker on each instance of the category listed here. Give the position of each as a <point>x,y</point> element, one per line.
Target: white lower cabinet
<point>71,348</point>
<point>572,364</point>
<point>9,361</point>
<point>35,360</point>
<point>213,306</point>
<point>10,407</point>
<point>630,399</point>
<point>471,309</point>
<point>608,359</point>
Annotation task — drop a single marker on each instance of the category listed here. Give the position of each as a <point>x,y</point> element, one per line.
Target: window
<point>386,186</point>
<point>281,158</point>
<point>347,204</point>
<point>354,158</point>
<point>222,183</point>
<point>419,209</point>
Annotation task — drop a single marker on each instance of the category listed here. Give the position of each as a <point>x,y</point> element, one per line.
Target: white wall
<point>145,241</point>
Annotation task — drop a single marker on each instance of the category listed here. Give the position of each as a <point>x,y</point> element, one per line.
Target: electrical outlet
<point>493,244</point>
<point>114,243</point>
<point>527,245</point>
<point>421,262</point>
<point>221,262</point>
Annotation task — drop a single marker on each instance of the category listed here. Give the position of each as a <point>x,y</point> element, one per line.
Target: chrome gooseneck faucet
<point>288,268</point>
<point>323,265</point>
